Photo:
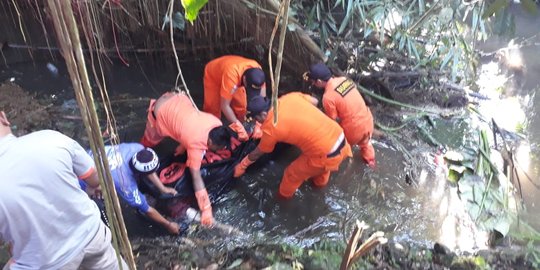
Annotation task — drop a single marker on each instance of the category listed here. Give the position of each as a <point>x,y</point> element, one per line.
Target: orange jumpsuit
<point>173,115</point>
<point>223,79</point>
<point>342,100</point>
<point>321,140</point>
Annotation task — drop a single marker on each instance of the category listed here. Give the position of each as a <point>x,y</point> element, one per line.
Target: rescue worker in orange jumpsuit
<point>229,82</point>
<point>301,124</point>
<point>173,115</point>
<point>342,102</point>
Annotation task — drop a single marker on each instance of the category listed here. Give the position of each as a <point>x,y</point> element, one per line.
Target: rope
<point>179,75</point>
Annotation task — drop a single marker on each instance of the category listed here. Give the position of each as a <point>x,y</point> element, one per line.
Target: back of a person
<point>196,128</point>
<point>231,64</point>
<point>302,124</point>
<point>174,113</point>
<point>350,105</point>
<point>119,157</point>
<point>43,212</point>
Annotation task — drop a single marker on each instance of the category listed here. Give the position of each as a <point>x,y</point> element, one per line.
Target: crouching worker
<point>301,124</point>
<point>342,102</point>
<point>230,82</point>
<point>132,162</point>
<point>173,115</point>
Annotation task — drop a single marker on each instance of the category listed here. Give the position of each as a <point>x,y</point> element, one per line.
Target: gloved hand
<point>257,131</point>
<point>372,164</point>
<point>206,208</point>
<point>240,130</point>
<point>241,167</point>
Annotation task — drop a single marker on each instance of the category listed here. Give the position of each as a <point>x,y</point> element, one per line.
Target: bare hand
<point>173,228</point>
<point>169,190</point>
<point>94,193</point>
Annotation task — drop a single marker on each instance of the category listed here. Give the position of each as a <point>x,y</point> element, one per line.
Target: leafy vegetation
<point>428,34</point>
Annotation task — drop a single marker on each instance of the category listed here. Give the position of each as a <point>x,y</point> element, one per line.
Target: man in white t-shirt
<point>49,222</point>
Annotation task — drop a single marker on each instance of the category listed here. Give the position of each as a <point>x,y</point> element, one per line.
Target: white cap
<point>145,161</point>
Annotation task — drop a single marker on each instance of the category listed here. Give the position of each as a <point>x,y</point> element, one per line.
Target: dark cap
<point>254,79</point>
<point>257,105</point>
<point>319,72</point>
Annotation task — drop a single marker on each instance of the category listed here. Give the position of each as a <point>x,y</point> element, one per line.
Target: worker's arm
<point>172,227</point>
<point>241,167</point>
<point>202,197</point>
<point>255,154</point>
<point>228,111</point>
<point>162,188</point>
<point>93,188</point>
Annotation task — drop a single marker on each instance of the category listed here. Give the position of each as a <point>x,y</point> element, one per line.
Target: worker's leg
<point>212,99</point>
<point>151,135</point>
<point>295,174</point>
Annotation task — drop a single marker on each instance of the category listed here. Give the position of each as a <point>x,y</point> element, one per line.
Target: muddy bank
<point>193,252</point>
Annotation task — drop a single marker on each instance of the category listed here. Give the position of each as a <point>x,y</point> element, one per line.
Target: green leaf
<point>421,7</point>
<point>345,21</point>
<point>192,8</point>
<point>235,264</point>
<point>529,6</point>
<point>447,58</point>
<point>453,176</point>
<point>495,7</point>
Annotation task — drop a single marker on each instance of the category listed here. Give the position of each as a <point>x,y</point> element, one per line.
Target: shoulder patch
<point>345,87</point>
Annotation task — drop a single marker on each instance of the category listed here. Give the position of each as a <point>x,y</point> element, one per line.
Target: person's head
<point>144,162</point>
<point>5,126</point>
<point>253,80</point>
<point>258,107</point>
<point>318,75</point>
<point>219,138</point>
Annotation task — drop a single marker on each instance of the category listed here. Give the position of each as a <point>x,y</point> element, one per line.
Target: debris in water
<point>52,68</point>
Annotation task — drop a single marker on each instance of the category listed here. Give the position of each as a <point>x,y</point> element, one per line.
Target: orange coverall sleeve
<point>194,158</point>
<point>330,108</point>
<point>229,82</point>
<point>268,141</point>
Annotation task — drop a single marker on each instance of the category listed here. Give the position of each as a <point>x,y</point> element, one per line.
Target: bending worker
<point>301,124</point>
<point>48,221</point>
<point>342,102</point>
<point>130,162</point>
<point>173,115</point>
<point>229,82</point>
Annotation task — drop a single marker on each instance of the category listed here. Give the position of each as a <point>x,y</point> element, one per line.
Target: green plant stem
<point>393,102</point>
<point>484,195</point>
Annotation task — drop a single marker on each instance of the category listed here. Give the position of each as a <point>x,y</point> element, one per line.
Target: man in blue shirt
<point>130,162</point>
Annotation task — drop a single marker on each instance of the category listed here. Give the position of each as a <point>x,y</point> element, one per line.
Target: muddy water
<point>423,212</point>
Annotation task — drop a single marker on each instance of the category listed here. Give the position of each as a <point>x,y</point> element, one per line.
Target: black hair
<point>221,136</point>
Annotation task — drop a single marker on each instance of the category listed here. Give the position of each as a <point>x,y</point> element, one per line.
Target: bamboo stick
<point>68,37</point>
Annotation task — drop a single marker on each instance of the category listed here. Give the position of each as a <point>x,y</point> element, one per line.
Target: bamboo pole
<point>283,14</point>
<point>68,37</point>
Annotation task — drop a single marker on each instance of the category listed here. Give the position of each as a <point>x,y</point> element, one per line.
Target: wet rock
<point>441,249</point>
